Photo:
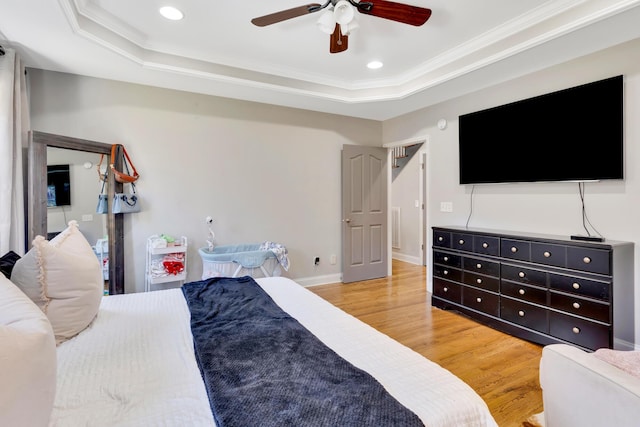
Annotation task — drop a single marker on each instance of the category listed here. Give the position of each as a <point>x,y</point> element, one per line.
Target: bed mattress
<point>135,365</point>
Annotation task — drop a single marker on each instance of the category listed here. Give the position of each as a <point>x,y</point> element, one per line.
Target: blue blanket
<point>261,367</point>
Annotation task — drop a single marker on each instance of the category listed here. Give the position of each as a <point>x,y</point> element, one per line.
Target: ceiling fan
<point>338,20</point>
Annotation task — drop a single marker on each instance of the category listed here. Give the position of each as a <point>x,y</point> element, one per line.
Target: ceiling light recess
<point>171,13</point>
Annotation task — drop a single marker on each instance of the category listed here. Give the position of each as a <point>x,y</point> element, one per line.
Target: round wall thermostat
<point>442,124</point>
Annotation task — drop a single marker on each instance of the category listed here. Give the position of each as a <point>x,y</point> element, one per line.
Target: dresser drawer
<point>447,273</point>
<point>462,242</point>
<point>447,259</point>
<point>523,292</point>
<point>582,332</point>
<point>591,260</point>
<point>581,307</point>
<point>524,314</point>
<point>481,301</point>
<point>441,239</point>
<point>515,249</point>
<point>580,286</point>
<point>479,281</point>
<point>483,266</point>
<point>524,275</point>
<point>486,245</point>
<point>548,254</point>
<point>447,290</point>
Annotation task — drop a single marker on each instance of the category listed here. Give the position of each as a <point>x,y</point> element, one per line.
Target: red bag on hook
<point>119,176</point>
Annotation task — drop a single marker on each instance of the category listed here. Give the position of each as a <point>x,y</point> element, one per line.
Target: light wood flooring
<point>502,369</point>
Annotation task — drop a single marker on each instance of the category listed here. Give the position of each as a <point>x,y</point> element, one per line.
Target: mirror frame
<point>37,201</point>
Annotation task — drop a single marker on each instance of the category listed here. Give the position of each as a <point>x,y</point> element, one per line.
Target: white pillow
<point>27,360</point>
<point>63,277</point>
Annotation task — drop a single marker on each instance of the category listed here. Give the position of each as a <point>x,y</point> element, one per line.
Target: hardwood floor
<point>500,368</point>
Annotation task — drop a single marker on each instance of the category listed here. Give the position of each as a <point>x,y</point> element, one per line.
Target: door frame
<point>423,196</point>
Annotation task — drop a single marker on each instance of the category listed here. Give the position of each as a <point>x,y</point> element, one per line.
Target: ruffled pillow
<point>63,277</point>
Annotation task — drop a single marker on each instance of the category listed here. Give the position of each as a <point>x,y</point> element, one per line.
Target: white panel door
<point>364,213</point>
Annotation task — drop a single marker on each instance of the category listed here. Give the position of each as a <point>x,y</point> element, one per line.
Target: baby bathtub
<point>239,260</point>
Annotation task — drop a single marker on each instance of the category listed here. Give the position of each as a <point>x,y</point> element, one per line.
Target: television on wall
<point>58,185</point>
<point>574,134</point>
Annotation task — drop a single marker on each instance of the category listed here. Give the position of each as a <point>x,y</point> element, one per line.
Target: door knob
<point>348,220</point>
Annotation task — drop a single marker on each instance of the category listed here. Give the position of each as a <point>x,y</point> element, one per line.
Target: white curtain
<point>14,125</point>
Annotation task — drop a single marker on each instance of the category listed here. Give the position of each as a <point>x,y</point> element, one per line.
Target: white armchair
<point>580,389</point>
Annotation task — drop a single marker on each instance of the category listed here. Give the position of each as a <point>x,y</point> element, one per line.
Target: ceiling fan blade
<point>283,15</point>
<point>407,14</point>
<point>338,42</point>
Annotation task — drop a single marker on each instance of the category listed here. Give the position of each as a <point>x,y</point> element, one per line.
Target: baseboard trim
<point>319,280</point>
<point>620,344</point>
<point>406,258</point>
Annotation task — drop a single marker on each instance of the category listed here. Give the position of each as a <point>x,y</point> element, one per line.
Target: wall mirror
<point>53,202</point>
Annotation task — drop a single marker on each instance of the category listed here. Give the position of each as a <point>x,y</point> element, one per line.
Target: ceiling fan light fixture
<point>350,27</point>
<point>171,13</point>
<point>344,12</point>
<point>327,22</point>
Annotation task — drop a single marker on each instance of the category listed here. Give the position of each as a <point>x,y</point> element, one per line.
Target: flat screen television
<point>574,134</point>
<point>58,185</point>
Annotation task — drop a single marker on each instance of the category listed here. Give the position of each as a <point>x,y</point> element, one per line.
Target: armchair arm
<point>579,389</point>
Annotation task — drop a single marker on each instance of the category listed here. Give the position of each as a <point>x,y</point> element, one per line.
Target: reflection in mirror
<point>49,212</point>
<point>72,188</point>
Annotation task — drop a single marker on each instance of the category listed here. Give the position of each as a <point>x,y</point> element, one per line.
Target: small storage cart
<point>166,261</point>
<point>101,250</point>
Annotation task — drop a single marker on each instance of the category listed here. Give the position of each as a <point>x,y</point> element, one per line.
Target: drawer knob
<point>485,245</point>
<point>514,249</point>
<point>461,241</point>
<point>576,330</point>
<point>446,258</point>
<point>521,274</point>
<point>478,281</point>
<point>586,260</point>
<point>576,305</point>
<point>478,299</point>
<point>440,238</point>
<point>521,291</point>
<point>546,254</point>
<point>521,313</point>
<point>478,265</point>
<point>445,272</point>
<point>576,285</point>
<point>446,289</point>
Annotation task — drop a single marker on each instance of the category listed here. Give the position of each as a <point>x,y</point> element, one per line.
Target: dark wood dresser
<point>542,288</point>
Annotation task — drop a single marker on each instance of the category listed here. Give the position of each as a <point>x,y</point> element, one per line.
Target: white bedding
<point>135,365</point>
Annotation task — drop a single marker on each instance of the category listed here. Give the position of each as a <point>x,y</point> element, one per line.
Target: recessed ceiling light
<point>171,13</point>
<point>374,65</point>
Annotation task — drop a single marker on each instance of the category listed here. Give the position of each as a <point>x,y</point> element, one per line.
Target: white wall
<point>553,208</point>
<point>263,172</point>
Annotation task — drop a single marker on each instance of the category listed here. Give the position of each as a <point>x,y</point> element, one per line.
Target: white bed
<point>135,364</point>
